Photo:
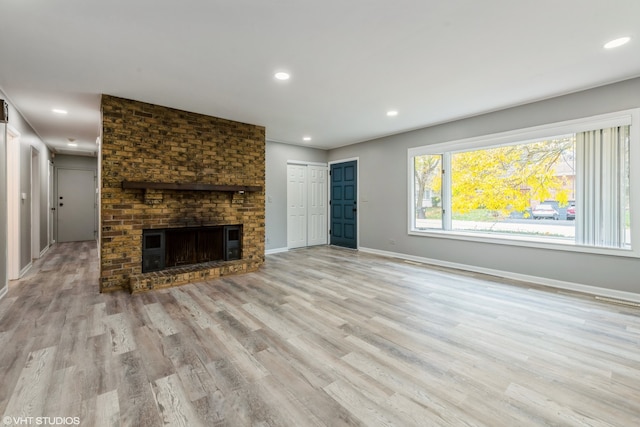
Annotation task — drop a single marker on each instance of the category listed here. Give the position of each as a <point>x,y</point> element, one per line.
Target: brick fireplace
<point>169,172</point>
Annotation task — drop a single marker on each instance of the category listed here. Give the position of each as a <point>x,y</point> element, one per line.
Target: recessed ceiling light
<point>392,113</point>
<point>306,138</point>
<point>282,75</point>
<point>617,42</point>
<point>59,111</point>
<point>72,144</point>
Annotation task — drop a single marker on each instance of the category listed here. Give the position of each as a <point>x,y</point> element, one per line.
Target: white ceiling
<point>350,60</point>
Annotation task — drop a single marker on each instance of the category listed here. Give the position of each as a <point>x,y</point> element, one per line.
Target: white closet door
<point>296,206</point>
<point>317,205</point>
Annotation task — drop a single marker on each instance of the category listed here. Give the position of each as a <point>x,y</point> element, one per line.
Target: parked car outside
<point>545,211</point>
<point>571,212</point>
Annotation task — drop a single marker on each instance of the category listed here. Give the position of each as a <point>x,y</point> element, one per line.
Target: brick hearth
<point>176,276</point>
<point>198,168</point>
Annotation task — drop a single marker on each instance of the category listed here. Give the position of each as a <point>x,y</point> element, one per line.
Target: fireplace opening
<point>172,247</point>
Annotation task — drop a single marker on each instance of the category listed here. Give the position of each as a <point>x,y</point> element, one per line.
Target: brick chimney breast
<point>149,143</point>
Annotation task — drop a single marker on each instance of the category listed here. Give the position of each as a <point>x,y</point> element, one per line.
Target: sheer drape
<point>601,186</point>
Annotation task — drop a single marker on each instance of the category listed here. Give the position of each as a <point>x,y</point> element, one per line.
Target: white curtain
<point>601,186</point>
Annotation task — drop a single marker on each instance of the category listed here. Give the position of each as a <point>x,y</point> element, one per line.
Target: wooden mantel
<point>187,186</point>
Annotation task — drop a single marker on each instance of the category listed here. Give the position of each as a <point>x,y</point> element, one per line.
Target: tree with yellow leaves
<point>501,179</point>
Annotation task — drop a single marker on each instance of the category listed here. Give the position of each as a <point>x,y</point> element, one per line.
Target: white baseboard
<point>24,270</point>
<point>44,251</point>
<point>275,251</point>
<point>552,283</point>
<point>4,291</point>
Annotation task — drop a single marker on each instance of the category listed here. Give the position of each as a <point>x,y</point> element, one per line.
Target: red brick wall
<point>146,142</point>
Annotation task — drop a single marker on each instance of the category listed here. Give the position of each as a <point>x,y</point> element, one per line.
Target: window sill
<point>557,244</point>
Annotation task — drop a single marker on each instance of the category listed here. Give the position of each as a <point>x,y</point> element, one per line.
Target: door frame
<point>36,184</point>
<point>349,159</point>
<point>13,203</point>
<point>50,203</point>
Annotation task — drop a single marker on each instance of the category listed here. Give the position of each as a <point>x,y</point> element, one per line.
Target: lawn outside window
<point>566,186</point>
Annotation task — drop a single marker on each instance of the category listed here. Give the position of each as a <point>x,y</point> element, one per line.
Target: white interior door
<point>76,205</point>
<point>296,206</point>
<point>317,205</point>
<point>306,205</point>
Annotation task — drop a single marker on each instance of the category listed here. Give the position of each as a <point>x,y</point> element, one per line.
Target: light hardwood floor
<point>317,337</point>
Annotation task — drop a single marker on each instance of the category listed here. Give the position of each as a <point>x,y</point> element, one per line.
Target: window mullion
<point>446,191</point>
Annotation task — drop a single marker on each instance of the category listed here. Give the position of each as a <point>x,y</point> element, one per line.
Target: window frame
<point>536,133</point>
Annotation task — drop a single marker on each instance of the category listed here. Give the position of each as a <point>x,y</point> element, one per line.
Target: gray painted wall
<point>383,193</point>
<point>75,162</point>
<point>28,139</point>
<point>277,156</point>
<point>3,210</point>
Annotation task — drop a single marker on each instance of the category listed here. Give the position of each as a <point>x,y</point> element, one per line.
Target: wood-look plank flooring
<point>317,337</point>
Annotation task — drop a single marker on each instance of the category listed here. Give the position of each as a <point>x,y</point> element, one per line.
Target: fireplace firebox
<point>172,247</point>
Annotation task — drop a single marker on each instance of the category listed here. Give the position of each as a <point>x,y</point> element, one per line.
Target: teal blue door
<point>343,204</point>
